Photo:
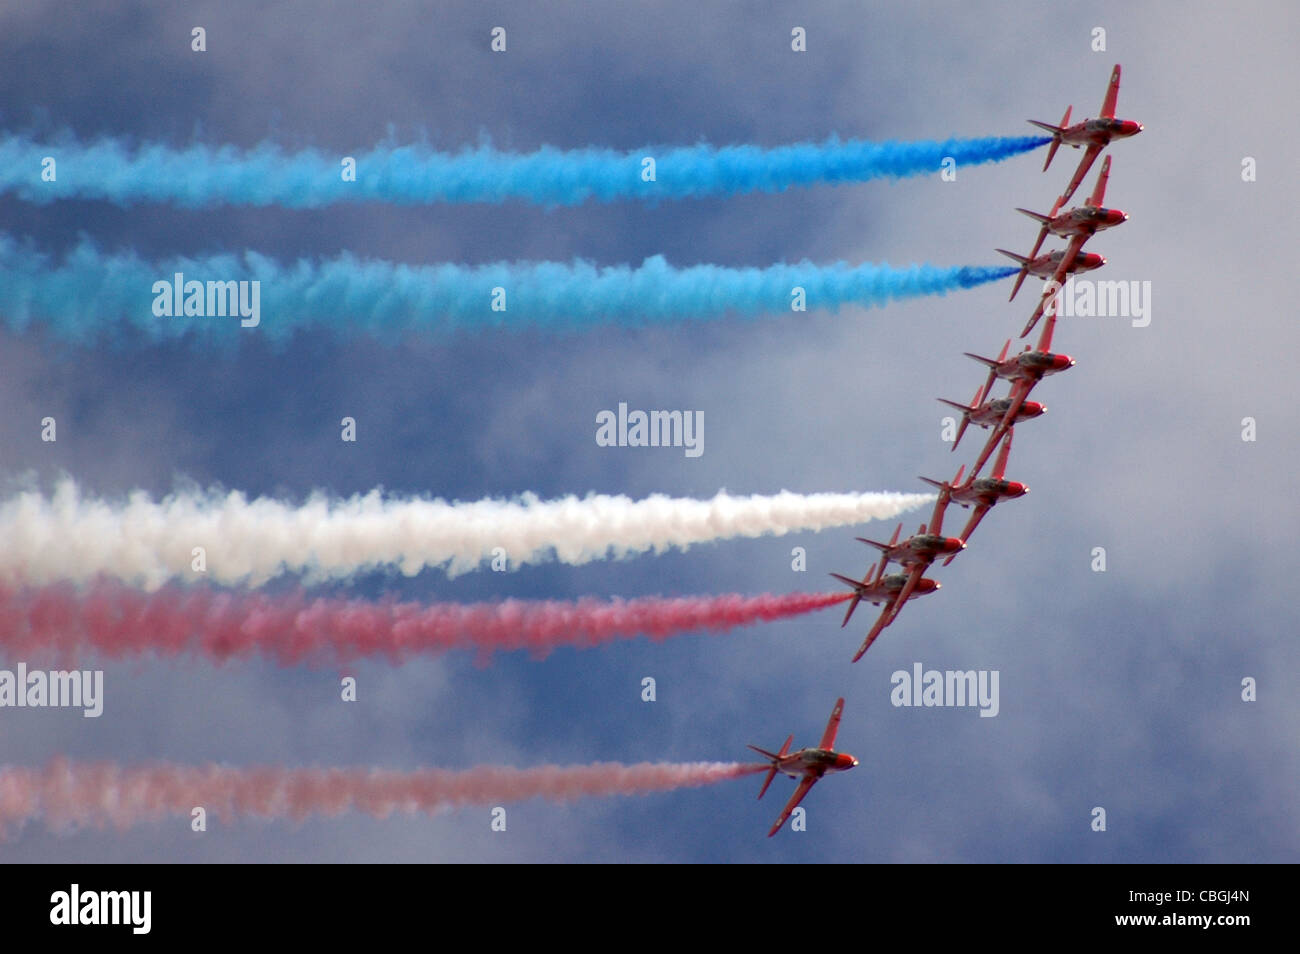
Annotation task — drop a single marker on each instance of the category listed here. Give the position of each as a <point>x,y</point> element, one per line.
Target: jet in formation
<point>1091,135</point>
<point>1078,225</point>
<point>914,555</point>
<point>982,493</point>
<point>1024,371</point>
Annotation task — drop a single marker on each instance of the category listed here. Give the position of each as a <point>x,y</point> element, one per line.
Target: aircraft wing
<point>1042,235</point>
<point>1058,277</point>
<point>971,524</point>
<point>1090,155</point>
<point>1000,465</point>
<point>1019,393</point>
<point>886,617</point>
<point>891,610</point>
<point>832,726</point>
<point>800,791</point>
<point>940,505</point>
<point>1099,190</point>
<point>1112,95</point>
<point>905,593</point>
<point>1045,339</point>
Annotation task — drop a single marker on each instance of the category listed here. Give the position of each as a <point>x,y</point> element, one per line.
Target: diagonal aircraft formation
<point>1023,371</point>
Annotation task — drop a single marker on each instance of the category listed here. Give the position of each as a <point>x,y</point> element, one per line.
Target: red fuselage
<point>814,762</point>
<point>1032,366</point>
<point>987,491</point>
<point>1099,132</point>
<point>1085,220</point>
<point>923,549</point>
<point>888,587</point>
<point>1045,266</point>
<point>991,413</point>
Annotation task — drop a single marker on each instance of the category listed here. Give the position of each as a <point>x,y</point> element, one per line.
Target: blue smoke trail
<point>89,292</point>
<point>411,175</point>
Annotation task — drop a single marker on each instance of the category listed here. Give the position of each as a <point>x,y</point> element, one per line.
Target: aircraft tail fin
<point>987,362</point>
<point>873,543</point>
<point>954,404</point>
<point>1020,260</point>
<point>961,430</point>
<point>1056,135</point>
<point>854,601</point>
<point>774,758</point>
<point>1036,216</point>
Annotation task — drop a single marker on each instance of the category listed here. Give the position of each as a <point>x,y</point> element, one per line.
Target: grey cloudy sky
<point>1118,689</point>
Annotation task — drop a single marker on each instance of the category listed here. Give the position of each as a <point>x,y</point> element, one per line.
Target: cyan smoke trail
<point>88,293</point>
<point>204,175</point>
<point>74,795</point>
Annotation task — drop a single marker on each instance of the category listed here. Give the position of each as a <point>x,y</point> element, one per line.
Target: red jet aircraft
<point>981,492</point>
<point>1093,135</point>
<point>1082,221</point>
<point>988,414</point>
<point>1052,264</point>
<point>1023,371</point>
<point>1080,224</point>
<point>876,589</point>
<point>807,765</point>
<point>915,554</point>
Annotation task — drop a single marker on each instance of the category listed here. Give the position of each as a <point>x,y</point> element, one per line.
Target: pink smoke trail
<point>71,795</point>
<point>117,621</point>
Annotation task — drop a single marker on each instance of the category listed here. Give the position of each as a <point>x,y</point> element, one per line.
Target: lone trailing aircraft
<point>807,765</point>
<point>1079,224</point>
<point>990,413</point>
<point>1093,135</point>
<point>982,493</point>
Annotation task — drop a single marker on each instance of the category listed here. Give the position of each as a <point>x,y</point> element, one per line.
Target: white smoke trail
<point>144,542</point>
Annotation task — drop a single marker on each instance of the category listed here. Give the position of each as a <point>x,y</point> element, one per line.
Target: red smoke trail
<point>117,621</point>
<point>70,795</point>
